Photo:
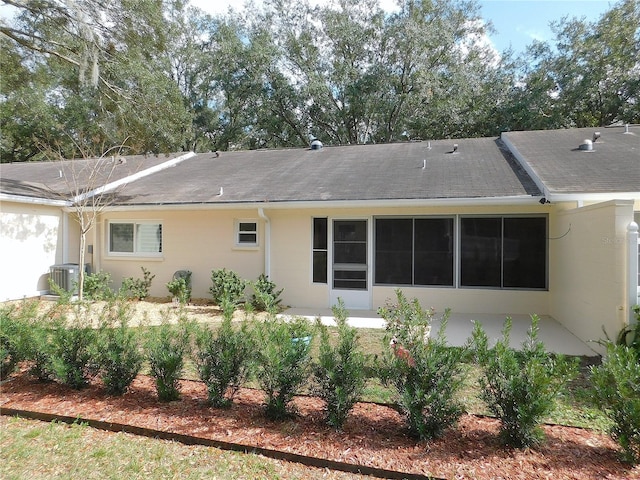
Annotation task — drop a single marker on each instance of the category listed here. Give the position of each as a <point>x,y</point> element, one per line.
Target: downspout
<point>632,261</point>
<point>65,237</point>
<point>267,242</point>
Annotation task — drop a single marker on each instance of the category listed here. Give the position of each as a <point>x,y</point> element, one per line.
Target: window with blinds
<point>135,238</point>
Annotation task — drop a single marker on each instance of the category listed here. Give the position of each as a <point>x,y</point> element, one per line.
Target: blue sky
<point>519,22</point>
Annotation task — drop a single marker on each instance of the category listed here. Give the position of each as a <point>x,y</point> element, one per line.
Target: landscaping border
<point>229,446</point>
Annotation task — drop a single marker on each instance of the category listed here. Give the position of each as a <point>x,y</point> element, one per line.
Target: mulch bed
<point>374,435</point>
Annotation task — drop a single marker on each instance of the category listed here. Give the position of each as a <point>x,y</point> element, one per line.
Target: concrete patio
<point>556,338</point>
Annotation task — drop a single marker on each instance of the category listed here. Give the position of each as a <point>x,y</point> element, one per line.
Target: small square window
<point>247,233</point>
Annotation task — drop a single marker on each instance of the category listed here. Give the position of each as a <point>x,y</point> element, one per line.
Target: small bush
<point>117,350</point>
<point>96,286</point>
<point>266,296</point>
<point>616,389</point>
<point>14,335</point>
<point>520,388</point>
<point>180,288</point>
<point>340,371</point>
<point>227,288</point>
<point>71,346</point>
<point>39,352</point>
<point>282,362</point>
<point>223,360</point>
<point>425,371</point>
<point>166,346</point>
<point>137,288</point>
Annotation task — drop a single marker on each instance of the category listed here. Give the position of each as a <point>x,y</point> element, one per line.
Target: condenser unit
<point>66,276</point>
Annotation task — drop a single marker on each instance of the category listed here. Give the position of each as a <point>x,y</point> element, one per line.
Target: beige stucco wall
<point>31,240</point>
<point>589,268</point>
<point>203,240</point>
<point>199,241</point>
<point>291,265</point>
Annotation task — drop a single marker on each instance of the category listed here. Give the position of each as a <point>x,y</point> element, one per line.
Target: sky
<point>517,22</point>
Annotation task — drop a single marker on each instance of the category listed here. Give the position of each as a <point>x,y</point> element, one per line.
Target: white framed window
<point>247,233</point>
<point>128,238</point>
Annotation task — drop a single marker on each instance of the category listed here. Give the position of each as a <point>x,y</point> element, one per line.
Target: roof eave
<point>436,202</point>
<point>49,202</point>
<point>592,197</point>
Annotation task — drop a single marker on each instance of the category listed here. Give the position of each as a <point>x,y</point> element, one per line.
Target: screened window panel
<point>393,255</point>
<point>320,250</point>
<point>433,251</point>
<point>350,279</point>
<point>349,231</point>
<point>350,252</point>
<point>525,253</point>
<point>481,249</point>
<point>248,233</point>
<point>121,237</point>
<point>320,266</point>
<point>320,233</point>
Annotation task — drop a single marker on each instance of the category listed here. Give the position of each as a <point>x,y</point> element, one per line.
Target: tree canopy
<point>160,75</point>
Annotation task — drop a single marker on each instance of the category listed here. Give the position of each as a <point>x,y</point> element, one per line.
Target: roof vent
<point>596,136</point>
<point>586,145</point>
<point>316,145</point>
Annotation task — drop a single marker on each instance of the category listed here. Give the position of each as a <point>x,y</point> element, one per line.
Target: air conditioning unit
<point>67,275</point>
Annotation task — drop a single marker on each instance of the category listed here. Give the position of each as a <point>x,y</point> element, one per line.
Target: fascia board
<point>453,202</point>
<point>8,197</point>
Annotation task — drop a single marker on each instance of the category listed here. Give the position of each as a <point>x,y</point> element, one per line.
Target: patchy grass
<point>34,449</point>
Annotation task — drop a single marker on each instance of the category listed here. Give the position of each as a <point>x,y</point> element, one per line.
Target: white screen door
<point>349,266</point>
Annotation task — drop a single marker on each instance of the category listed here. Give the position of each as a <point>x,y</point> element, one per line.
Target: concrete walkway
<point>556,338</point>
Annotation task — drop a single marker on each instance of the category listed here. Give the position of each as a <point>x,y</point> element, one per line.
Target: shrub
<point>340,371</point>
<point>223,360</point>
<point>520,388</point>
<point>71,345</point>
<point>96,286</point>
<point>227,289</point>
<point>14,335</point>
<point>39,351</point>
<point>117,350</point>
<point>425,371</point>
<point>630,335</point>
<point>282,362</point>
<point>266,297</point>
<point>166,346</point>
<point>137,288</point>
<point>616,389</point>
<point>180,287</point>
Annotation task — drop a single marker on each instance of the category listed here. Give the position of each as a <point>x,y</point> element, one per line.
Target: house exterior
<point>538,222</point>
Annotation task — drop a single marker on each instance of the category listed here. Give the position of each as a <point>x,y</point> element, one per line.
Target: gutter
<point>267,243</point>
<point>8,197</point>
<point>390,203</point>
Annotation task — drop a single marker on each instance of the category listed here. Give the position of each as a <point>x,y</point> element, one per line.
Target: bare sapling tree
<point>89,184</point>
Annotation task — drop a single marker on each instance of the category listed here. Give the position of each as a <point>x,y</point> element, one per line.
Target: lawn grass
<point>40,450</point>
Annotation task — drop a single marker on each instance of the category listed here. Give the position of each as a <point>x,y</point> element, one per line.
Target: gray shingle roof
<point>554,157</point>
<point>62,180</point>
<point>480,168</point>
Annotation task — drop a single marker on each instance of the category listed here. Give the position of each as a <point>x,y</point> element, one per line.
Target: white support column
<point>633,260</point>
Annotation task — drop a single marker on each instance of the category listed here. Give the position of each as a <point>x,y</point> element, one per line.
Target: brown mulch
<point>374,435</point>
